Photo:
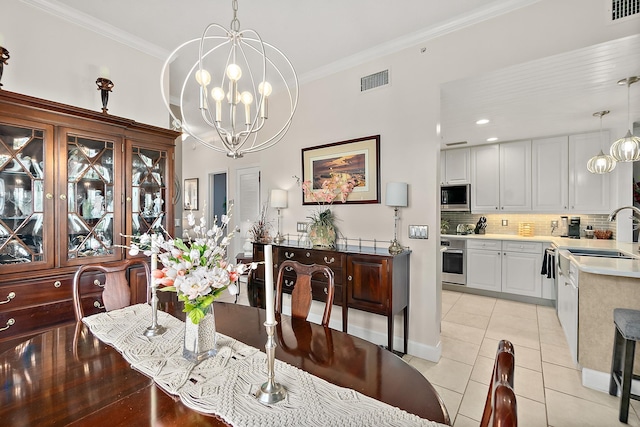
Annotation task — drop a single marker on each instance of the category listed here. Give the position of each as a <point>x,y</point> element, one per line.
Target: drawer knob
<point>97,283</point>
<point>96,304</point>
<point>326,292</point>
<point>63,197</point>
<point>289,255</point>
<point>10,323</point>
<point>288,283</point>
<point>288,268</point>
<point>349,278</point>
<point>49,196</point>
<point>11,296</point>
<point>57,284</point>
<point>329,261</point>
<point>308,254</point>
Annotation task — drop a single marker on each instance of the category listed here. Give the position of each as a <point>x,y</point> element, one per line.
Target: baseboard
<point>599,381</point>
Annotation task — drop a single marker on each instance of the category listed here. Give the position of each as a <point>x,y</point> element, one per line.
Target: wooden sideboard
<point>365,279</point>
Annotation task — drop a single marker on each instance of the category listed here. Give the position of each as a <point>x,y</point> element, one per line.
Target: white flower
<point>191,220</point>
<point>233,289</point>
<point>134,249</point>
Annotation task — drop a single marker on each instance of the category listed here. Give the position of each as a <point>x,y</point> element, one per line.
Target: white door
<point>515,176</point>
<point>521,274</point>
<point>550,174</point>
<point>484,269</point>
<point>247,205</point>
<point>588,192</point>
<point>485,178</point>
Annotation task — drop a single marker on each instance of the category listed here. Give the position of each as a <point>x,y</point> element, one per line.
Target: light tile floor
<point>547,383</point>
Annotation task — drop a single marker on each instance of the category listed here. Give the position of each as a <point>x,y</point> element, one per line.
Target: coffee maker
<point>574,227</point>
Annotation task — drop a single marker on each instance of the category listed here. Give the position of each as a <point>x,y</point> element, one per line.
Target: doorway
<point>217,196</point>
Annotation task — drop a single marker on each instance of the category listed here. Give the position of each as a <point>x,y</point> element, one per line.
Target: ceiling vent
<point>375,80</point>
<point>624,8</point>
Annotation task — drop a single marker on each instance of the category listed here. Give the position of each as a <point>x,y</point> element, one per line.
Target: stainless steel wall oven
<point>454,270</point>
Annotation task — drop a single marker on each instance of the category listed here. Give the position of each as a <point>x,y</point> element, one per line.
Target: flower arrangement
<point>197,268</point>
<point>260,229</point>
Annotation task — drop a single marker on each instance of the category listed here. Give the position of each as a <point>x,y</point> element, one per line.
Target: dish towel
<point>548,264</point>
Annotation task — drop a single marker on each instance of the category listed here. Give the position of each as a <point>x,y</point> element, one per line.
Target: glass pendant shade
<point>626,149</point>
<point>601,164</point>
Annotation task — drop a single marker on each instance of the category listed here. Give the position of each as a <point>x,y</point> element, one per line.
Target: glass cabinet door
<point>22,193</point>
<point>91,197</point>
<point>149,190</point>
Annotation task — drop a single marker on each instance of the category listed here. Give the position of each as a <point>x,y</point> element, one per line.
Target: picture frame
<point>358,157</point>
<point>190,192</point>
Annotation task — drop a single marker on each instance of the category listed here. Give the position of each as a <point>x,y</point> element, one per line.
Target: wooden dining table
<point>66,376</point>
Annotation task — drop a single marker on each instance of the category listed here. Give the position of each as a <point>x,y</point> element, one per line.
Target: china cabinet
<point>72,183</point>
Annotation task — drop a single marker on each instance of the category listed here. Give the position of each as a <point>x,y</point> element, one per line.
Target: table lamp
<point>396,196</point>
<point>279,201</point>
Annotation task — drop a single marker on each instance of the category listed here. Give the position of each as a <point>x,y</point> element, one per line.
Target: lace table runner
<point>225,385</point>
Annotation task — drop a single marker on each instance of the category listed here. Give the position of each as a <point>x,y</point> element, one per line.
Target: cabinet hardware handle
<point>349,278</point>
<point>128,199</point>
<point>496,207</point>
<point>97,283</point>
<point>329,261</point>
<point>10,323</point>
<point>288,283</point>
<point>326,292</point>
<point>63,197</point>
<point>49,196</point>
<point>288,268</point>
<point>96,304</point>
<point>289,255</point>
<point>57,284</point>
<point>308,254</point>
<point>11,296</point>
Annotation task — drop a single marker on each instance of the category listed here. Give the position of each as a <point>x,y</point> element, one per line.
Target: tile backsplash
<point>541,222</point>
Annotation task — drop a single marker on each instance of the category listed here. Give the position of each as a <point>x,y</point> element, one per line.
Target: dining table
<point>67,376</point>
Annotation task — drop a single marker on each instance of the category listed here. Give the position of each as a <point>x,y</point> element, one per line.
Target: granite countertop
<point>588,264</point>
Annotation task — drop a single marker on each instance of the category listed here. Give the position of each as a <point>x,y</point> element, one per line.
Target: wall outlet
<point>301,227</point>
<point>505,222</point>
<point>418,231</point>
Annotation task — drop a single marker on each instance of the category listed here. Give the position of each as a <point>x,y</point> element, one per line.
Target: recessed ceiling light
<point>492,139</point>
<point>482,122</point>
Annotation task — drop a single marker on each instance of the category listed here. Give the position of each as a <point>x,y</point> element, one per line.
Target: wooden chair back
<point>116,292</point>
<point>301,295</point>
<point>500,409</point>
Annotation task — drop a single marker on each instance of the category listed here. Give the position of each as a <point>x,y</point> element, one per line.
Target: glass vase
<point>200,339</point>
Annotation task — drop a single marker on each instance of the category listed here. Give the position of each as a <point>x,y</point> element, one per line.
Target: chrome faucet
<point>613,214</point>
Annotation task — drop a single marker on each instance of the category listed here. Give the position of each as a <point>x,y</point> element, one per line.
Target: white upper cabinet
<point>515,176</point>
<point>455,166</point>
<point>485,178</point>
<point>550,174</point>
<point>588,192</point>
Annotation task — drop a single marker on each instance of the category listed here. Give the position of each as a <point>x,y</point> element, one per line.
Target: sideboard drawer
<point>33,319</point>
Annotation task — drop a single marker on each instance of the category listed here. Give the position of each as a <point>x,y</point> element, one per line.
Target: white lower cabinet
<point>568,308</point>
<point>505,266</point>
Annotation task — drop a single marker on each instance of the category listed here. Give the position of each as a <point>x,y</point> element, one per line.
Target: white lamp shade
<point>397,193</point>
<point>278,198</point>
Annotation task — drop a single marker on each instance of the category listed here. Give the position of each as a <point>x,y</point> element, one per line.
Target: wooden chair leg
<point>616,361</point>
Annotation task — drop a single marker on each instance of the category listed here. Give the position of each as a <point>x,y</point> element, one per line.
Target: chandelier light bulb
<point>203,77</point>
<point>217,94</point>
<point>234,72</point>
<point>265,88</point>
<point>246,98</point>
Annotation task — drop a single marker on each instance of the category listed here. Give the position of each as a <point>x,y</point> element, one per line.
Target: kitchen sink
<point>602,253</point>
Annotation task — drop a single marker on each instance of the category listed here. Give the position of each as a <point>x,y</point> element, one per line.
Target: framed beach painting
<point>358,158</point>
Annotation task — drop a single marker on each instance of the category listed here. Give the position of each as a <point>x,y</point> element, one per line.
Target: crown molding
<point>492,10</point>
<point>91,23</point>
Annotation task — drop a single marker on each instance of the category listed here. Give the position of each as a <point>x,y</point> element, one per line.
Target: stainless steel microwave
<point>455,198</point>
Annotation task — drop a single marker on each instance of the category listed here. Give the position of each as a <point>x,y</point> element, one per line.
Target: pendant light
<point>602,163</point>
<point>627,149</point>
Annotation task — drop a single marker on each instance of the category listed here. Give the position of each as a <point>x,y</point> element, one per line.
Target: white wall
<point>56,60</point>
<point>405,114</point>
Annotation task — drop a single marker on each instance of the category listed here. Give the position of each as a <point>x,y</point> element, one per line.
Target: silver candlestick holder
<point>155,329</point>
<point>271,391</point>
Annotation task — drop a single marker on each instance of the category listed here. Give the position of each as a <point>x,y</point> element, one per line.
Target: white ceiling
<point>547,97</point>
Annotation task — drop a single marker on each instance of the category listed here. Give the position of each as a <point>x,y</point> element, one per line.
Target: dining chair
<point>500,409</point>
<point>301,294</point>
<point>116,292</point>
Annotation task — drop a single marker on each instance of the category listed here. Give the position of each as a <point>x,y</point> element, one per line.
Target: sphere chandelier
<point>602,163</point>
<point>232,78</point>
<point>627,149</point>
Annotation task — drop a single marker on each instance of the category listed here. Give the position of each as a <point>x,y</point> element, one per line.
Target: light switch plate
<point>418,231</point>
<point>301,227</point>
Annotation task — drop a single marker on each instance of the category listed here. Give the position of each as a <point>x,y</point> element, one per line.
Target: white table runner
<point>224,385</point>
